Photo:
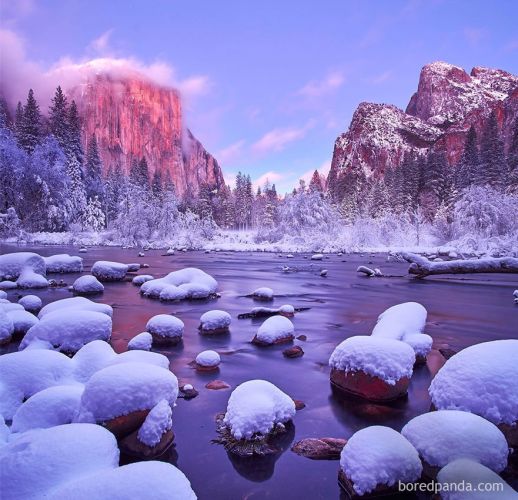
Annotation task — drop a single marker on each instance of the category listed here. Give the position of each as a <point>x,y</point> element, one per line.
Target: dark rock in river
<point>125,424</point>
<point>319,448</point>
<point>132,446</point>
<point>217,385</point>
<point>293,352</point>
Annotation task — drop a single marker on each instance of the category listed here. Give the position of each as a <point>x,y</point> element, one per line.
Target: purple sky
<point>268,84</point>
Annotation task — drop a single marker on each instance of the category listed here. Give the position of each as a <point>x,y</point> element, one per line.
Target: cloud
<point>474,35</point>
<point>380,78</point>
<point>231,152</point>
<point>278,138</point>
<point>19,72</point>
<point>272,177</point>
<point>101,44</point>
<point>319,88</point>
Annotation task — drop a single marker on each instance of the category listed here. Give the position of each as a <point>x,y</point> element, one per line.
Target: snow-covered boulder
<point>63,263</point>
<point>482,379</point>
<point>188,283</point>
<point>12,264</point>
<point>25,373</point>
<point>515,295</point>
<point>165,329</point>
<point>472,476</point>
<point>155,435</point>
<point>143,341</point>
<point>120,396</point>
<point>22,321</point>
<point>133,481</point>
<point>317,256</point>
<point>215,322</point>
<point>3,295</point>
<point>275,330</point>
<point>405,322</point>
<point>105,270</point>
<point>287,310</point>
<point>8,285</point>
<point>30,279</point>
<point>6,328</point>
<point>70,329</point>
<point>7,306</point>
<point>76,303</point>
<point>87,285</point>
<point>31,303</point>
<point>376,459</point>
<point>256,408</point>
<point>141,279</point>
<point>374,368</point>
<point>446,435</point>
<point>133,267</point>
<point>36,462</point>
<point>263,293</point>
<point>50,407</point>
<point>207,360</point>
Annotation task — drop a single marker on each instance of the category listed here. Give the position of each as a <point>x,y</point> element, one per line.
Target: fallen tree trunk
<point>421,266</point>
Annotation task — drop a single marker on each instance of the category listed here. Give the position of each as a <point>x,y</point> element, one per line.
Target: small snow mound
<point>255,407</point>
<point>158,421</point>
<point>287,310</point>
<point>8,285</point>
<point>263,293</point>
<point>76,303</point>
<point>188,283</point>
<point>142,341</point>
<point>275,329</point>
<point>6,327</point>
<point>471,475</point>
<point>387,359</point>
<point>22,321</point>
<point>379,456</point>
<point>123,388</point>
<point>3,295</point>
<point>165,326</point>
<point>480,379</point>
<point>29,279</point>
<point>133,267</point>
<point>12,264</point>
<point>317,256</point>
<point>105,270</point>
<point>64,263</point>
<point>445,435</point>
<point>208,359</point>
<point>87,285</point>
<point>215,320</point>
<point>141,279</point>
<point>31,303</point>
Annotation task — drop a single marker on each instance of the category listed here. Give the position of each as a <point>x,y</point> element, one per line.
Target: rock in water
<point>319,448</point>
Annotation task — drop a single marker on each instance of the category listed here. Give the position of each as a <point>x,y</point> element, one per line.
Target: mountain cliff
<point>133,117</point>
<point>447,102</point>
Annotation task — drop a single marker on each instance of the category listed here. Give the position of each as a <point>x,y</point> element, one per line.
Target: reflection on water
<point>343,304</point>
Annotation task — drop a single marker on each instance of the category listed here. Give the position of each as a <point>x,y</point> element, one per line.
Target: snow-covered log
<point>421,266</point>
<point>369,272</point>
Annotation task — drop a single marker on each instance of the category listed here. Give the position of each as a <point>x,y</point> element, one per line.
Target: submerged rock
<point>319,448</point>
<point>293,352</point>
<point>217,385</point>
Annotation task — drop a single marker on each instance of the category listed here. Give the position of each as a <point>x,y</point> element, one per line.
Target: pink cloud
<point>272,177</point>
<point>230,152</point>
<point>278,138</point>
<point>319,88</point>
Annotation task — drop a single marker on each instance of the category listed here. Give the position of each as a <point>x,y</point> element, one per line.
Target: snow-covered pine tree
<point>512,161</point>
<point>18,122</point>
<point>13,161</point>
<point>94,219</point>
<point>468,170</point>
<point>492,158</point>
<point>315,184</point>
<point>58,118</point>
<point>74,144</point>
<point>115,188</point>
<point>139,173</point>
<point>157,185</point>
<point>94,183</point>
<point>30,128</point>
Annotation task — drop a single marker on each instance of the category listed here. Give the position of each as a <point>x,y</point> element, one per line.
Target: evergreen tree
<point>30,130</point>
<point>157,185</point>
<point>58,118</point>
<point>512,161</point>
<point>18,122</point>
<point>315,184</point>
<point>74,146</point>
<point>94,218</point>
<point>139,173</point>
<point>115,189</point>
<point>94,184</point>
<point>492,157</point>
<point>468,171</point>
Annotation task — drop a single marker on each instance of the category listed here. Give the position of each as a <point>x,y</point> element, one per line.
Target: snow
<point>257,406</point>
<point>142,341</point>
<point>141,279</point>
<point>8,285</point>
<point>387,359</point>
<point>22,321</point>
<point>69,329</point>
<point>6,327</point>
<point>123,388</point>
<point>133,481</point>
<point>379,455</point>
<point>480,379</point>
<point>105,270</point>
<point>263,293</point>
<point>213,320</point>
<point>76,303</point>
<point>158,421</point>
<point>31,303</point>
<point>7,306</point>
<point>63,263</point>
<point>87,285</point>
<point>165,326</point>
<point>12,264</point>
<point>208,359</point>
<point>53,406</point>
<point>29,279</point>
<point>445,435</point>
<point>3,295</point>
<point>275,329</point>
<point>38,461</point>
<point>133,267</point>
<point>515,295</point>
<point>421,343</point>
<point>183,284</point>
<point>317,256</point>
<point>25,373</point>
<point>287,309</point>
<point>470,475</point>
